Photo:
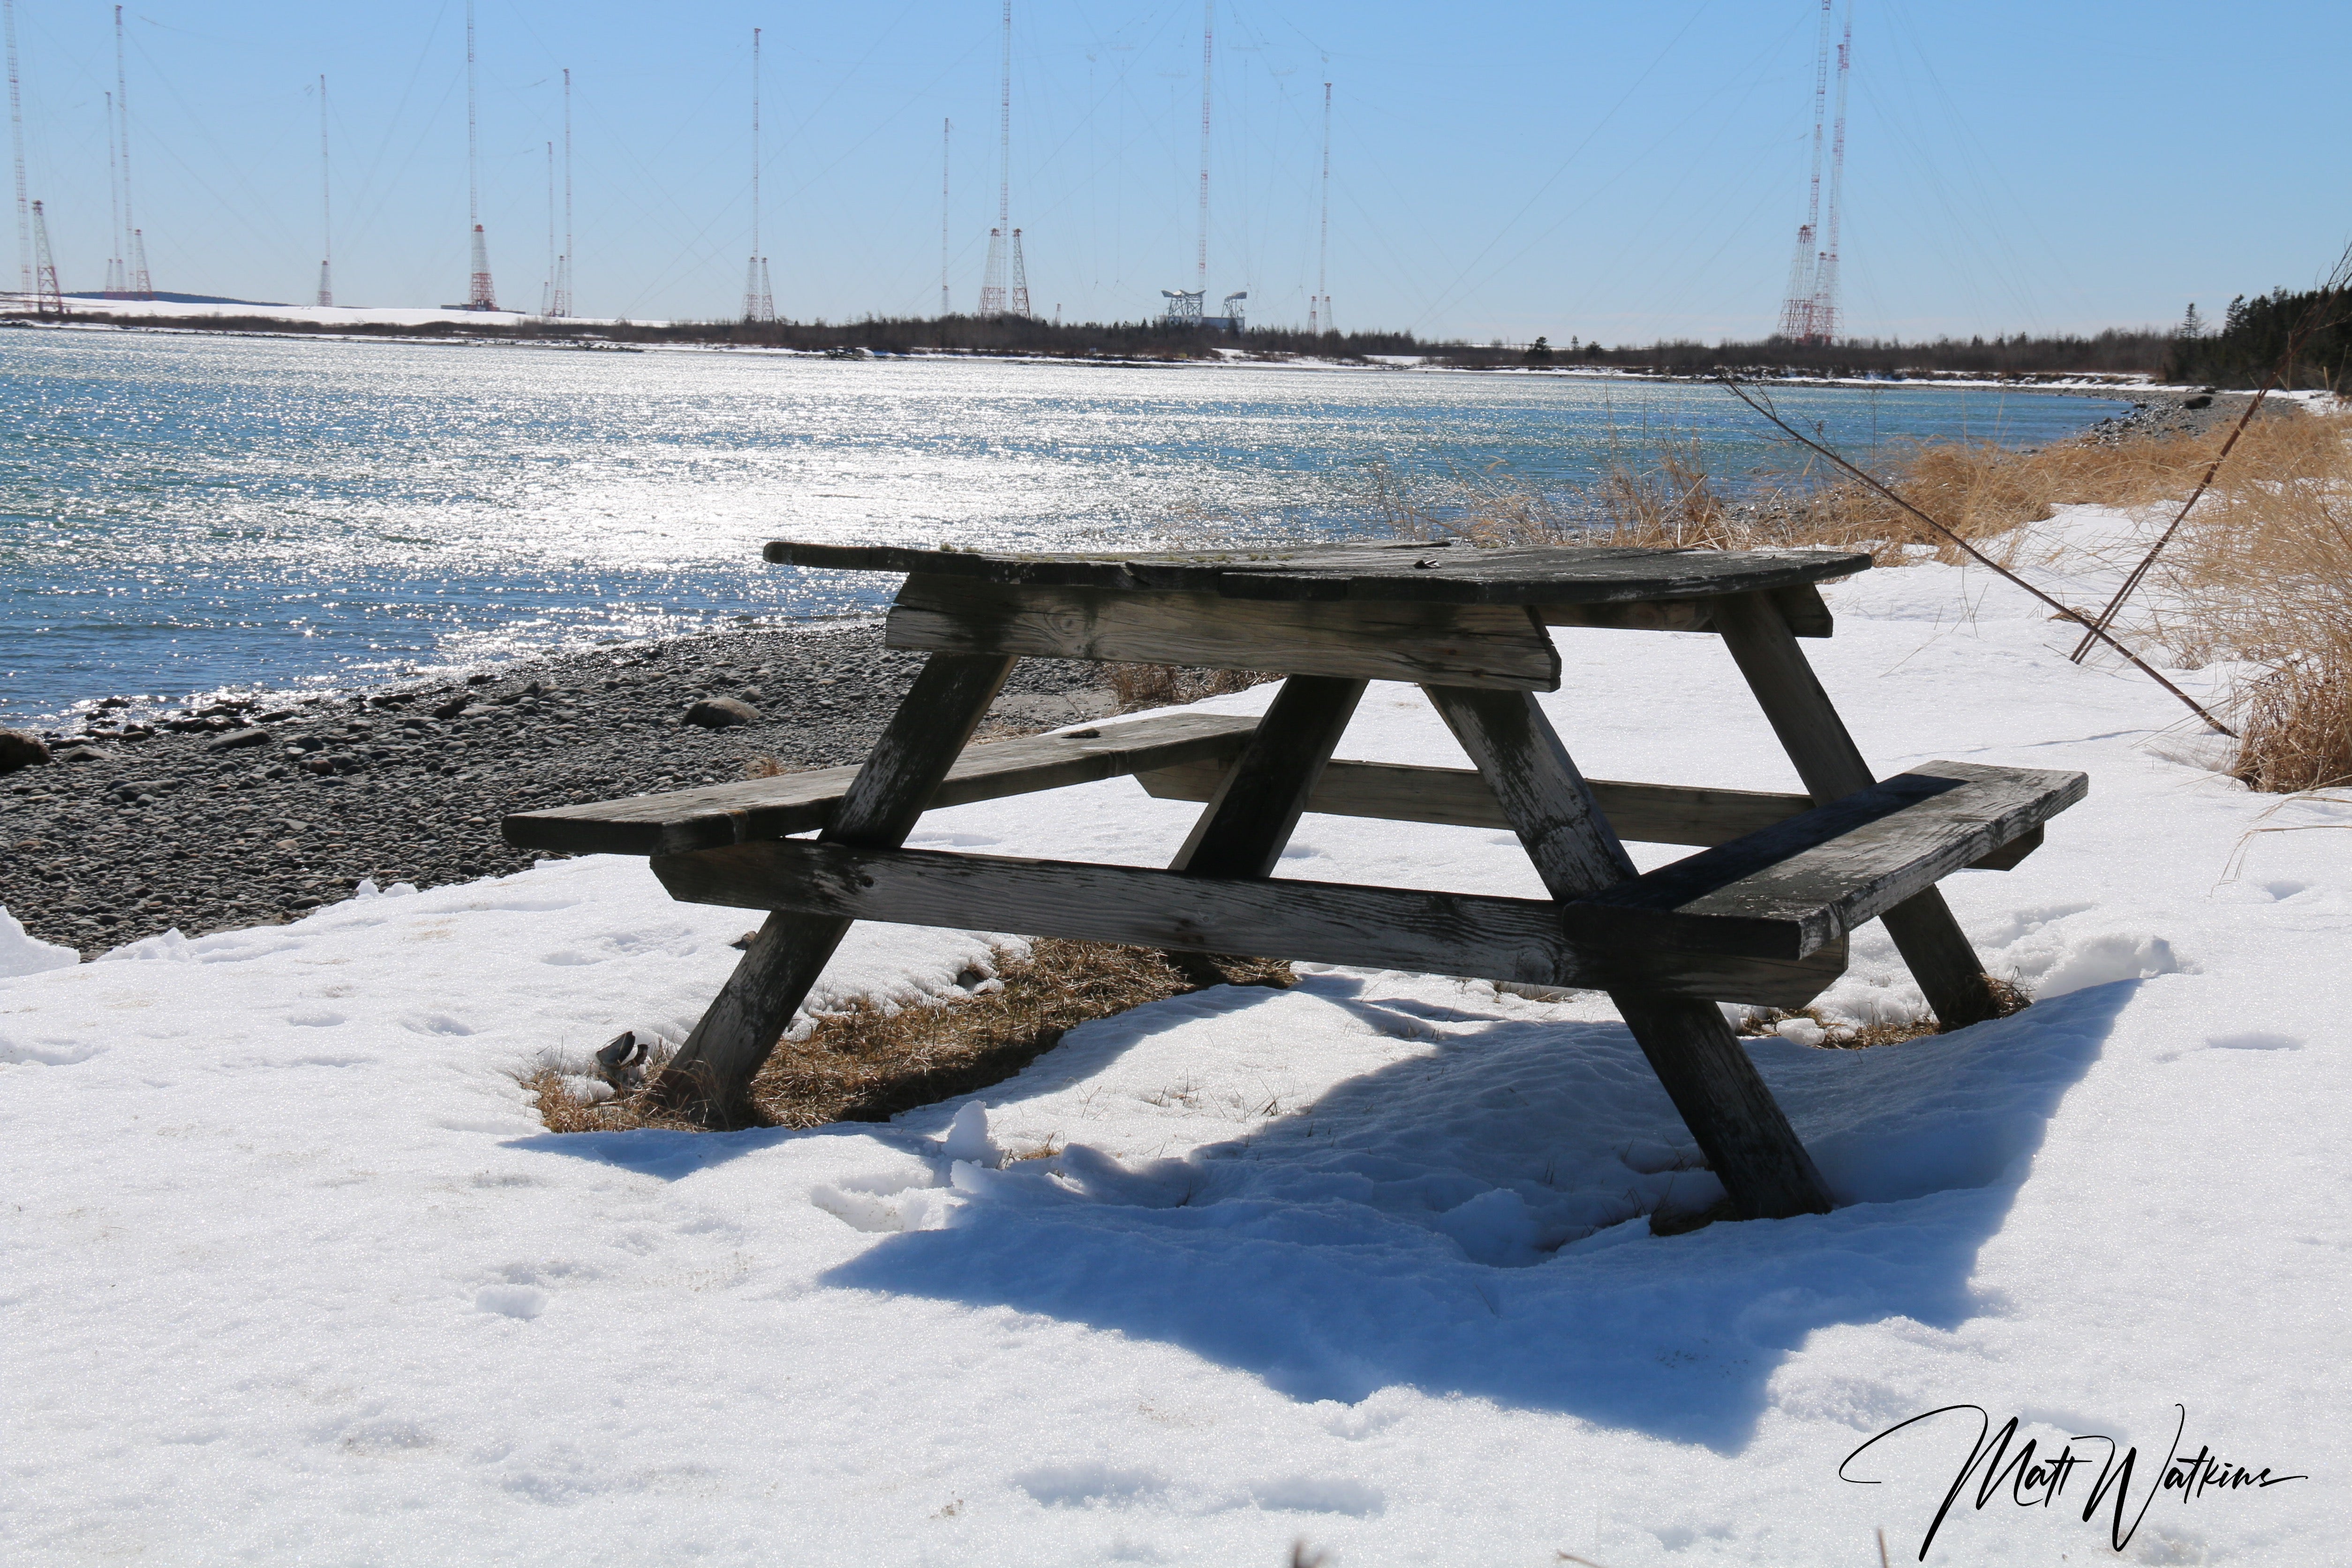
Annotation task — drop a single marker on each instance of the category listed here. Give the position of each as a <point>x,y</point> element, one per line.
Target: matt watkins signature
<point>2031,1477</point>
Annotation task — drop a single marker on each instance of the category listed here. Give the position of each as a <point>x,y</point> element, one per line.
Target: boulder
<point>722,712</point>
<point>20,750</point>
<point>236,740</point>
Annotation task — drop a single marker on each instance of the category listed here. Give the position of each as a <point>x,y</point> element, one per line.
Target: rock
<point>722,712</point>
<point>236,740</point>
<point>20,750</point>
<point>82,754</point>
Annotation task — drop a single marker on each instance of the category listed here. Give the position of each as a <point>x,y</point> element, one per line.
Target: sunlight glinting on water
<point>188,513</point>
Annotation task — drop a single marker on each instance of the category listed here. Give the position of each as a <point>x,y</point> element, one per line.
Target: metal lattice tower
<point>993,300</point>
<point>479,294</point>
<point>1319,319</point>
<point>1797,305</point>
<point>48,300</point>
<point>139,286</point>
<point>547,289</point>
<point>1020,306</point>
<point>1825,323</point>
<point>759,299</point>
<point>562,304</point>
<point>17,144</point>
<point>326,208</point>
<point>946,130</point>
<point>1208,57</point>
<point>118,282</point>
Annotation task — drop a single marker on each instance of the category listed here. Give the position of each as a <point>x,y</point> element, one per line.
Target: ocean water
<point>183,514</point>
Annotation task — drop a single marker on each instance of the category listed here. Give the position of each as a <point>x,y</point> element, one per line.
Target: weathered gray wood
<point>712,1072</point>
<point>1469,644</point>
<point>1742,1130</point>
<point>1458,797</point>
<point>1802,605</point>
<point>1435,571</point>
<point>778,807</point>
<point>1786,890</point>
<point>1949,972</point>
<point>1464,935</point>
<point>1255,806</point>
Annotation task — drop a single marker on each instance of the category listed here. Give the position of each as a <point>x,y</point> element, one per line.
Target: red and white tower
<point>1825,323</point>
<point>1797,304</point>
<point>17,144</point>
<point>141,286</point>
<point>994,299</point>
<point>479,294</point>
<point>759,299</point>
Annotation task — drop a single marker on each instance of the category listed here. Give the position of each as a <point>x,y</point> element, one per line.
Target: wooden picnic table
<point>1760,914</point>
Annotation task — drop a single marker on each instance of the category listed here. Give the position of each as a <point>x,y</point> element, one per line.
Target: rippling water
<point>180,514</point>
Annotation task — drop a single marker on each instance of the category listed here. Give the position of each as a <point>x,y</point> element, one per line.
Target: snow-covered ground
<point>293,1274</point>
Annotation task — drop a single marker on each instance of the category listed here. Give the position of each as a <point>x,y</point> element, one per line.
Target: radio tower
<point>561,305</point>
<point>118,280</point>
<point>480,295</point>
<point>141,285</point>
<point>1321,321</point>
<point>48,300</point>
<point>1824,321</point>
<point>991,281</point>
<point>759,303</point>
<point>947,129</point>
<point>17,144</point>
<point>326,209</point>
<point>1208,55</point>
<point>547,289</point>
<point>1797,305</point>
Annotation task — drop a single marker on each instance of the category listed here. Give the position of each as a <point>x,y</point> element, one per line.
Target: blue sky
<point>1620,171</point>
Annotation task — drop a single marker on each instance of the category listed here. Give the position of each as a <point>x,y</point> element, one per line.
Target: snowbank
<point>294,1273</point>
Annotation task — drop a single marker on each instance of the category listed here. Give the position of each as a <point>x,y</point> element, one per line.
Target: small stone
<point>722,712</point>
<point>236,740</point>
<point>20,750</point>
<point>454,706</point>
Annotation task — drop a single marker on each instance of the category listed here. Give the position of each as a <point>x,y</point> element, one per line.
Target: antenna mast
<point>17,142</point>
<point>1797,305</point>
<point>326,209</point>
<point>759,301</point>
<point>563,302</point>
<point>547,290</point>
<point>118,284</point>
<point>480,295</point>
<point>140,287</point>
<point>1825,321</point>
<point>991,281</point>
<point>1323,261</point>
<point>946,130</point>
<point>47,298</point>
<point>1208,55</point>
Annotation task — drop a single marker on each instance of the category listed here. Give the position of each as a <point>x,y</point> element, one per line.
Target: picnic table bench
<point>1760,914</point>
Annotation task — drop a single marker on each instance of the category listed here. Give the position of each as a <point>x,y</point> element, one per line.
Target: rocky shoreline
<point>236,815</point>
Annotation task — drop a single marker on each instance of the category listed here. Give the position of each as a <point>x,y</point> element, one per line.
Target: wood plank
<point>1458,797</point>
<point>1812,880</point>
<point>1756,635</point>
<point>1471,645</point>
<point>1467,934</point>
<point>1705,1070</point>
<point>711,1077</point>
<point>1807,613</point>
<point>1432,572</point>
<point>1255,807</point>
<point>683,820</point>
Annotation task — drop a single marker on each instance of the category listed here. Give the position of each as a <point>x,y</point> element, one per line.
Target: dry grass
<point>1843,1035</point>
<point>1140,686</point>
<point>865,1065</point>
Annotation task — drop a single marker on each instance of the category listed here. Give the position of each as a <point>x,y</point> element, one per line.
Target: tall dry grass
<point>2262,576</point>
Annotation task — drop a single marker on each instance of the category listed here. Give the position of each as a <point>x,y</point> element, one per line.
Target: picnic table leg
<point>1707,1074</point>
<point>711,1074</point>
<point>1242,829</point>
<point>1930,940</point>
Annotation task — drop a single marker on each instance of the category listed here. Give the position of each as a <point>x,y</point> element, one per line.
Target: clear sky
<point>1620,171</point>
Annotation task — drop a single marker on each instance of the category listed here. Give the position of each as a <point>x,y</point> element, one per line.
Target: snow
<point>294,1273</point>
<point>21,952</point>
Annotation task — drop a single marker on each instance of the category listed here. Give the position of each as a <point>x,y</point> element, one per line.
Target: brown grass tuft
<point>1843,1035</point>
<point>865,1065</point>
<point>1140,685</point>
